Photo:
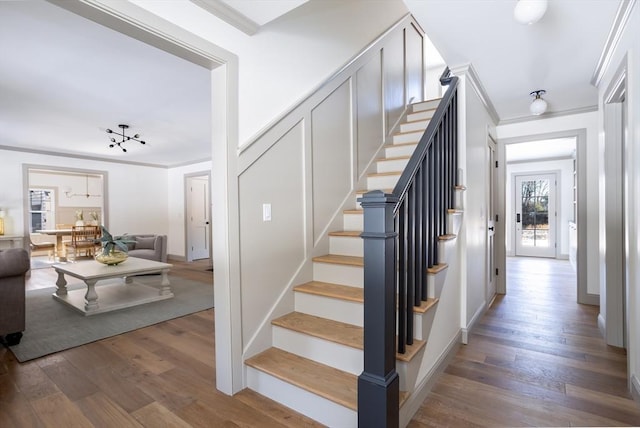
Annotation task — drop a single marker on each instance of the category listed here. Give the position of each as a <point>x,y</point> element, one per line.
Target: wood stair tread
<point>328,382</point>
<point>384,174</point>
<point>399,144</point>
<point>454,211</point>
<point>335,291</point>
<point>363,191</point>
<point>460,187</point>
<point>340,260</point>
<point>346,233</point>
<point>353,211</point>
<point>336,331</point>
<point>447,237</point>
<point>393,158</point>
<point>437,268</point>
<point>352,294</point>
<point>325,381</point>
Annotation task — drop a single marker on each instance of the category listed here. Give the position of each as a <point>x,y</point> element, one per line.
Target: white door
<point>491,216</point>
<point>535,215</point>
<point>198,218</point>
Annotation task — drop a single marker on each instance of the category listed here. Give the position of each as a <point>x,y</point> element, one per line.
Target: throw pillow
<point>145,243</point>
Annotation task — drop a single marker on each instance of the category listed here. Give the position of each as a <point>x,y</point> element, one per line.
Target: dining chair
<point>42,246</point>
<point>83,238</point>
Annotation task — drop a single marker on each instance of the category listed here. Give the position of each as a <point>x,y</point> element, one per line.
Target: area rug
<point>53,327</point>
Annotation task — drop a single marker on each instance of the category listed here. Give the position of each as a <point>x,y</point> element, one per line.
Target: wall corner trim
<point>468,71</point>
<point>618,27</point>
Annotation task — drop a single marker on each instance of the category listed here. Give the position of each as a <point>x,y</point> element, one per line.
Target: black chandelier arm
<point>124,137</point>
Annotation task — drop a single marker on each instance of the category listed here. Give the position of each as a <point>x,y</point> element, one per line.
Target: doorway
<point>535,214</point>
<point>198,217</point>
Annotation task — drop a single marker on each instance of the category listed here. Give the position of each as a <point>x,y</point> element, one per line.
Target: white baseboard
<point>602,325</point>
<point>635,389</point>
<point>416,399</point>
<point>466,330</point>
<point>562,257</point>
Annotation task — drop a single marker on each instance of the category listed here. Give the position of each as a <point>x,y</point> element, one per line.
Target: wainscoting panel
<point>369,110</point>
<point>415,77</point>
<point>331,144</point>
<point>394,90</point>
<point>271,250</point>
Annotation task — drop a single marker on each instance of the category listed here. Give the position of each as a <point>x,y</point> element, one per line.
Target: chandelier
<point>86,194</point>
<point>123,138</point>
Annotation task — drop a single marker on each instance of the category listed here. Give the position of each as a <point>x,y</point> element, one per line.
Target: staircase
<point>317,350</point>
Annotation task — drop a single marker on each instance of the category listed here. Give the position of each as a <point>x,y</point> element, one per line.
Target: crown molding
<point>469,72</point>
<point>229,15</point>
<point>529,118</point>
<point>619,25</point>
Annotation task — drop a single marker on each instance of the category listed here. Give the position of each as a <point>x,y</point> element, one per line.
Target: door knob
<point>491,228</point>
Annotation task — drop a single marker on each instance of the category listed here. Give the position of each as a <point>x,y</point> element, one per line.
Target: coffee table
<point>116,285</point>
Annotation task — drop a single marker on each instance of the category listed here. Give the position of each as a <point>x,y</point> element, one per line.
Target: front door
<point>535,215</point>
<point>491,215</point>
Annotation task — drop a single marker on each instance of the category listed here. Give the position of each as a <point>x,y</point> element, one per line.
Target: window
<point>41,209</point>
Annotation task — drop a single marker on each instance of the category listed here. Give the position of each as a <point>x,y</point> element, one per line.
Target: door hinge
<point>496,271</point>
<point>496,164</point>
<point>496,218</point>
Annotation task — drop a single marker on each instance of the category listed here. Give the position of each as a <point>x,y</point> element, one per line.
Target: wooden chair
<point>42,246</point>
<point>83,239</point>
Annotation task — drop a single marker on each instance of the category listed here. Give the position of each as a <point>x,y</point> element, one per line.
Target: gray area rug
<point>53,327</point>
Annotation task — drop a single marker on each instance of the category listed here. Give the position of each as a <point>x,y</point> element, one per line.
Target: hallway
<point>535,358</point>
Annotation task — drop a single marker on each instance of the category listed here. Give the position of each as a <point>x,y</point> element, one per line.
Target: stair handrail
<point>413,214</point>
<point>400,189</point>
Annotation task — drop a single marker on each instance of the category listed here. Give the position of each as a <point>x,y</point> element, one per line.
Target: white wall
<point>588,122</point>
<point>627,52</point>
<point>564,200</point>
<point>474,136</point>
<point>289,56</point>
<point>137,201</point>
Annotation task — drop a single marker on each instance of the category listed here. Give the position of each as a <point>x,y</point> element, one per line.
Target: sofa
<point>14,264</point>
<point>150,247</point>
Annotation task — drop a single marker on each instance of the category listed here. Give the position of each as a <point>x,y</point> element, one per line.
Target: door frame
<point>147,27</point>
<point>491,285</point>
<point>187,234</point>
<point>580,135</point>
<point>514,235</point>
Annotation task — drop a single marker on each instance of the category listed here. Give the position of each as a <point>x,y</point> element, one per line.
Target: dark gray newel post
<point>378,385</point>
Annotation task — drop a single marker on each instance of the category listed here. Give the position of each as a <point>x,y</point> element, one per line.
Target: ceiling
<point>59,95</point>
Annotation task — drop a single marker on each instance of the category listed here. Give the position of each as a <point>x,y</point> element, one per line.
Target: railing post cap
<point>376,197</point>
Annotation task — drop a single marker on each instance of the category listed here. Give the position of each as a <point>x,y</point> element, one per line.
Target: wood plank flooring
<point>159,376</point>
<point>535,358</point>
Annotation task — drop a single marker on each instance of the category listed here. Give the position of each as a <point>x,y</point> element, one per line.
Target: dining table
<point>61,254</point>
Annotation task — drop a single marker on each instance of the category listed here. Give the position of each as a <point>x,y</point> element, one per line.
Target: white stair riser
<point>421,115</point>
<point>446,251</point>
<point>411,137</point>
<point>419,125</point>
<point>335,355</point>
<point>435,282</point>
<point>352,222</point>
<point>323,351</point>
<point>425,105</point>
<point>346,245</point>
<point>338,274</point>
<point>459,197</point>
<point>391,165</point>
<point>326,307</point>
<point>322,410</point>
<point>395,151</point>
<point>454,221</point>
<point>422,324</point>
<point>382,181</point>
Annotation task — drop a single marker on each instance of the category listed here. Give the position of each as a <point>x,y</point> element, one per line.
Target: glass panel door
<point>535,215</point>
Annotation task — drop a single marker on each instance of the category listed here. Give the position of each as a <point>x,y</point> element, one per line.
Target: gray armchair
<point>14,263</point>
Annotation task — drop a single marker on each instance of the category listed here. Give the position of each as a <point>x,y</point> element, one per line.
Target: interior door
<point>535,215</point>
<point>491,217</point>
<point>198,218</point>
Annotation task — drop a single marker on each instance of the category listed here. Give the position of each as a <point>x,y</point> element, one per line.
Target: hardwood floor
<point>162,375</point>
<point>535,358</point>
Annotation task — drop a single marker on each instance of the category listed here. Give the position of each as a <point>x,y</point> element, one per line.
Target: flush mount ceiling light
<point>538,106</point>
<point>529,11</point>
<point>124,138</point>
